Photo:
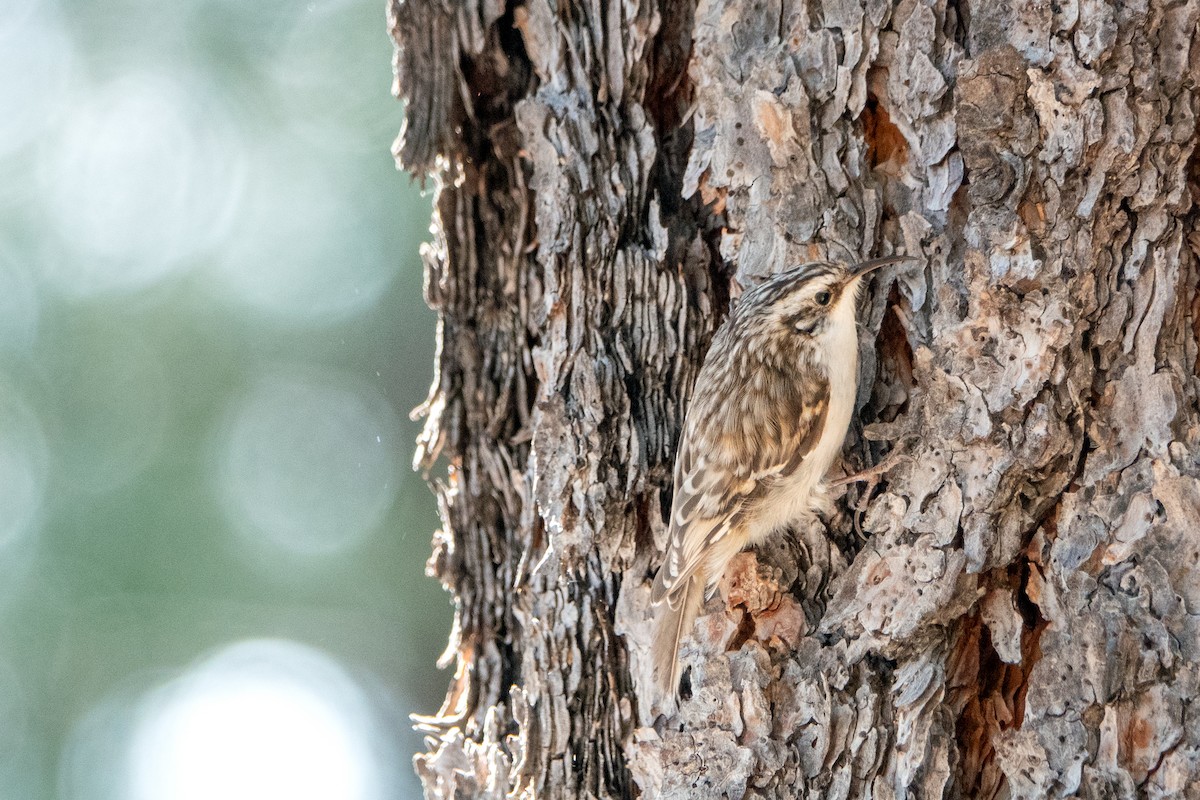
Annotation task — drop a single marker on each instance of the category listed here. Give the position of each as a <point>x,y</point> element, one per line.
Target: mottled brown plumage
<point>770,410</point>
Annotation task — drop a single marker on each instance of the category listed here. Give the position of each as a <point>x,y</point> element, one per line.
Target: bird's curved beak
<point>859,270</point>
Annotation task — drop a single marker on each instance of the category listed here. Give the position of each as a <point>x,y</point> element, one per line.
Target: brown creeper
<point>770,410</point>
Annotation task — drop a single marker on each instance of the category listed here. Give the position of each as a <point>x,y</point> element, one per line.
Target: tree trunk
<point>1013,609</point>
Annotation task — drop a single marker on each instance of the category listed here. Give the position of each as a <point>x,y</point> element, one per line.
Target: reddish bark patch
<point>885,142</point>
<point>713,197</point>
<point>758,606</point>
<point>1138,735</point>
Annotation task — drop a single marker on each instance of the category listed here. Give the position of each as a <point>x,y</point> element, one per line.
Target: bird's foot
<point>873,474</point>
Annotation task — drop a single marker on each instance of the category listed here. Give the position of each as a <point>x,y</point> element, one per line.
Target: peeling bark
<point>1012,610</point>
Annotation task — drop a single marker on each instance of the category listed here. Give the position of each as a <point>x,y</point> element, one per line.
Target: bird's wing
<point>726,463</point>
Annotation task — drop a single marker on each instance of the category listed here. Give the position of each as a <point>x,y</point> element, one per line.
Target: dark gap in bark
<point>665,100</point>
<point>894,369</point>
<point>720,273</point>
<point>1195,308</point>
<point>497,79</point>
<point>681,216</point>
<point>668,91</point>
<point>507,629</point>
<point>743,633</point>
<point>957,19</point>
<point>1191,223</point>
<point>886,152</point>
<point>895,355</point>
<point>664,503</point>
<point>1193,170</point>
<point>599,770</point>
<point>643,507</point>
<point>987,693</point>
<point>668,95</point>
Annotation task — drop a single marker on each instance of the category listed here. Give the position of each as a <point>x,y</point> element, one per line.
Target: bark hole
<point>887,149</point>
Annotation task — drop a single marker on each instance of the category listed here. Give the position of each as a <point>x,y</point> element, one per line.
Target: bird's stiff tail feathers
<point>676,615</point>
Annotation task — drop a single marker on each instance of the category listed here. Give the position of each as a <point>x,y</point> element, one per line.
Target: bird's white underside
<point>797,500</point>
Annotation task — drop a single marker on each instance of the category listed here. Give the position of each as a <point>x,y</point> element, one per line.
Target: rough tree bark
<point>1014,609</point>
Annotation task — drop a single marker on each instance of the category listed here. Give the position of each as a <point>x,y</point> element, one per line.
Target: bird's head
<point>811,299</point>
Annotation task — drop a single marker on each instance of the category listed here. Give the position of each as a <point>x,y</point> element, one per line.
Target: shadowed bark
<point>1013,609</point>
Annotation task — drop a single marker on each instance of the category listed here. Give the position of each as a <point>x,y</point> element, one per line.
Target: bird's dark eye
<point>823,297</point>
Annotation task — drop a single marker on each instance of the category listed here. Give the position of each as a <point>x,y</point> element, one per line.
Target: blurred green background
<point>211,331</point>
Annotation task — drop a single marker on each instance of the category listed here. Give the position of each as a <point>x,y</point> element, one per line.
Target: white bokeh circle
<point>143,177</point>
<point>260,720</point>
<point>305,462</point>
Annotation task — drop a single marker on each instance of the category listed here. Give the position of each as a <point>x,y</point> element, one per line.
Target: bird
<point>768,415</point>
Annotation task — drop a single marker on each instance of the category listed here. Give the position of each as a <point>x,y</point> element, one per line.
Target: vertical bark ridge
<point>567,328</point>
